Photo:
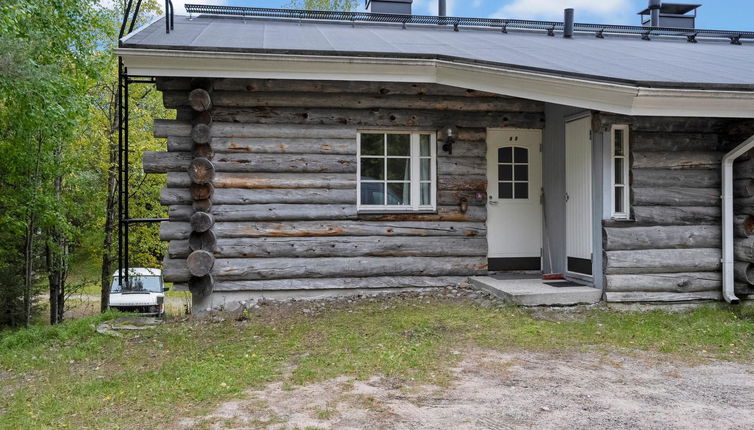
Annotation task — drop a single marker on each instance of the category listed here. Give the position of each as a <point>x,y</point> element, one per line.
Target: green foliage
<point>338,5</point>
<point>153,377</point>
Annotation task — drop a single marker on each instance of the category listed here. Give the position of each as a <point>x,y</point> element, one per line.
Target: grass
<point>66,376</point>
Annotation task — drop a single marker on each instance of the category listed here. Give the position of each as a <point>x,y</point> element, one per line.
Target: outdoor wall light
<point>448,136</point>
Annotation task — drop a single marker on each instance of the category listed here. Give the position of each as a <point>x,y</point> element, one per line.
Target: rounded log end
<point>201,171</point>
<point>203,241</point>
<point>201,133</point>
<point>201,192</point>
<point>203,150</point>
<point>202,118</point>
<point>201,286</point>
<point>202,221</point>
<point>203,205</point>
<point>200,263</point>
<point>200,100</point>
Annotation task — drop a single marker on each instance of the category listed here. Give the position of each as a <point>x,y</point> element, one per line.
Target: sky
<point>714,14</point>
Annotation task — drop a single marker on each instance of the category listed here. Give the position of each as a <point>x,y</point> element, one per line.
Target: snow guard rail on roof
<point>599,30</point>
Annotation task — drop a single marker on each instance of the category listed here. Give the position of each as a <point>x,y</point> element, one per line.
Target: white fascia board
<point>582,93</point>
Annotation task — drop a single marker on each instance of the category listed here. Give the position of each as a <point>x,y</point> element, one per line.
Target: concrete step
<point>534,292</point>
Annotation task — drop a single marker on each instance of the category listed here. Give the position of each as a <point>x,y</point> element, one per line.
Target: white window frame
<point>626,213</point>
<point>415,187</point>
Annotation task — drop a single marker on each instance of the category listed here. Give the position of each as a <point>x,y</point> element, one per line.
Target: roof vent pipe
<point>568,23</point>
<point>442,9</point>
<point>654,12</point>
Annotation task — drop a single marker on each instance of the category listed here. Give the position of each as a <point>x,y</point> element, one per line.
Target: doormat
<point>561,284</point>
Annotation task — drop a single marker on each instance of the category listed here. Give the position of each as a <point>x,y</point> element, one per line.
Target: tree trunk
<point>57,256</point>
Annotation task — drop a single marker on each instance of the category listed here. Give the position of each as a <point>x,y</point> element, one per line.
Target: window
<point>620,166</point>
<point>397,171</point>
<point>513,173</point>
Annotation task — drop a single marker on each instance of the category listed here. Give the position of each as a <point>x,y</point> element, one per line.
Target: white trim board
<point>578,92</point>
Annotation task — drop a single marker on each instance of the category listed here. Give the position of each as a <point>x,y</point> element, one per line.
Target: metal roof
<point>674,8</point>
<point>663,61</point>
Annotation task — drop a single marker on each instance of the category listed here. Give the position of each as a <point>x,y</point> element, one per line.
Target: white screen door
<point>579,196</point>
<point>514,208</point>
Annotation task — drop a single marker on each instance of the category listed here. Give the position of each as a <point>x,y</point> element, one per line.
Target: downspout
<point>727,223</point>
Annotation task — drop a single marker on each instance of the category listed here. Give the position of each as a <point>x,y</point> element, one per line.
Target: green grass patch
<point>70,376</point>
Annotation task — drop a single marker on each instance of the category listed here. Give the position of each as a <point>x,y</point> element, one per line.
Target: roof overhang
<point>584,93</point>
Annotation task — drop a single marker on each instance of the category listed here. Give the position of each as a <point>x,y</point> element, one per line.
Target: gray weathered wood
<point>453,198</point>
<point>240,269</point>
<point>743,249</point>
<point>677,160</point>
<point>665,282</point>
<point>461,166</point>
<point>631,238</point>
<point>202,241</point>
<point>263,180</point>
<point>201,171</point>
<point>272,145</point>
<point>202,205</point>
<point>671,142</point>
<point>471,183</point>
<point>166,127</point>
<point>201,286</point>
<point>676,196</point>
<point>743,225</point>
<point>744,169</point>
<point>235,99</point>
<point>201,133</point>
<point>378,282</point>
<point>200,263</point>
<point>660,124</point>
<point>663,261</point>
<point>689,215</point>
<point>743,188</point>
<point>195,192</point>
<point>744,206</point>
<point>198,99</point>
<point>181,230</point>
<point>279,163</point>
<point>163,162</point>
<point>660,178</point>
<point>201,222</point>
<point>234,196</point>
<point>743,291</point>
<point>662,297</point>
<point>203,150</point>
<point>377,246</point>
<point>744,272</point>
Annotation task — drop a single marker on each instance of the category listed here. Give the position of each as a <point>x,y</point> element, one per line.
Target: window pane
<point>372,169</point>
<point>619,171</point>
<point>505,155</point>
<point>399,144</point>
<point>521,173</point>
<point>398,169</point>
<point>426,189</point>
<point>372,144</point>
<point>504,172</point>
<point>521,155</point>
<point>619,199</point>
<point>522,190</point>
<point>424,145</point>
<point>426,168</point>
<point>372,193</point>
<point>618,141</point>
<point>398,193</point>
<point>505,190</point>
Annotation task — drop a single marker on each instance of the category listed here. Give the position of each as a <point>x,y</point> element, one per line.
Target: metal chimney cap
<point>655,4</point>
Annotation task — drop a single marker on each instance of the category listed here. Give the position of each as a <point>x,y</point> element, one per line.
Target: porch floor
<point>531,290</point>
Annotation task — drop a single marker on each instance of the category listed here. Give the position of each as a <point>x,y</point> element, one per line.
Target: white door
<point>579,196</point>
<point>514,208</point>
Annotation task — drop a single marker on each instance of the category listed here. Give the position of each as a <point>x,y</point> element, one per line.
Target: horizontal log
<point>377,282</point>
<point>743,188</point>
<point>743,291</point>
<point>461,166</point>
<point>163,162</point>
<point>237,99</point>
<point>676,196</point>
<point>662,297</point>
<point>633,238</point>
<point>671,142</point>
<point>663,261</point>
<point>473,183</point>
<point>744,169</point>
<point>423,119</point>
<point>743,249</point>
<point>662,124</point>
<point>744,206</point>
<point>167,127</point>
<point>450,198</point>
<point>743,225</point>
<point>677,160</point>
<point>665,282</point>
<point>233,196</point>
<point>744,272</point>
<point>664,215</point>
<point>284,212</point>
<point>271,145</point>
<point>356,246</point>
<point>243,269</point>
<point>203,150</point>
<point>659,178</point>
<point>170,230</point>
<point>262,180</point>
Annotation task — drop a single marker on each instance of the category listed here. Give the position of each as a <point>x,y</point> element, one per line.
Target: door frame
<point>518,263</point>
<point>569,274</point>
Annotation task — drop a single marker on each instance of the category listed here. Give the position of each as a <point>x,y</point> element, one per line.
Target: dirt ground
<point>514,390</point>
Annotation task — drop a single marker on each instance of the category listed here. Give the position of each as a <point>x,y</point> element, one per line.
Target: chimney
<point>568,23</point>
<point>672,15</point>
<point>400,7</point>
<point>442,10</point>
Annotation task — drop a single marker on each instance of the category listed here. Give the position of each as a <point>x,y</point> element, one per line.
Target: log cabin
<point>320,153</point>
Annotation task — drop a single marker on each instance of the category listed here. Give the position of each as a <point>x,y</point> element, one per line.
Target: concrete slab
<point>534,292</point>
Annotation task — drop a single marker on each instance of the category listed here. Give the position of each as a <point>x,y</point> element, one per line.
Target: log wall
<point>671,249</point>
<point>271,168</point>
